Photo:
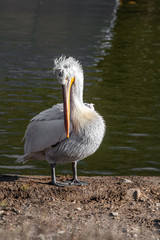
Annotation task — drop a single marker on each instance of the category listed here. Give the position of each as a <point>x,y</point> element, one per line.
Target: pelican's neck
<point>77,92</point>
<point>81,115</point>
<point>76,102</point>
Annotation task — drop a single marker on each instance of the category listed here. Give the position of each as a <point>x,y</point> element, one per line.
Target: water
<point>119,49</point>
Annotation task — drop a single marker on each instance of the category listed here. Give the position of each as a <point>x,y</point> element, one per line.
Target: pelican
<point>68,132</point>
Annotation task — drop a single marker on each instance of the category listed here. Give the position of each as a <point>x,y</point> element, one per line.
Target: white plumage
<point>66,132</point>
<point>45,129</point>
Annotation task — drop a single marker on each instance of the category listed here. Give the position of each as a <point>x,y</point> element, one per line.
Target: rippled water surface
<point>119,48</point>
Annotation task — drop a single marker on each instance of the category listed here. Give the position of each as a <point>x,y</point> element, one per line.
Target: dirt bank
<point>108,208</point>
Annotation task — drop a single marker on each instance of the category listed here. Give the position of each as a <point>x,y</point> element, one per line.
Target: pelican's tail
<point>23,158</point>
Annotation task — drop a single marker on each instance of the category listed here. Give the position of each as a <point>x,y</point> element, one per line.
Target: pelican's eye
<point>60,74</point>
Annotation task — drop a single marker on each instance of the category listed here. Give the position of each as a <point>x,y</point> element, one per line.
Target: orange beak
<point>66,104</point>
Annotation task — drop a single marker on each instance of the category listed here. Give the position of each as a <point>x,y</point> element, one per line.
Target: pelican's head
<point>69,74</point>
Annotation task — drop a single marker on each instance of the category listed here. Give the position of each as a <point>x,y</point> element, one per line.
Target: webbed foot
<point>77,182</point>
<point>60,184</point>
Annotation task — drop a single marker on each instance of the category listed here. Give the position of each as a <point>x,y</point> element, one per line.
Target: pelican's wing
<point>45,129</point>
<point>56,112</point>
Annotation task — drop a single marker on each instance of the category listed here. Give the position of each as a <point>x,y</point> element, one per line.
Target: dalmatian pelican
<point>68,132</point>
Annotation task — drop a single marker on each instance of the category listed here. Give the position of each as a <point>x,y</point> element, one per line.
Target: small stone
<point>15,210</point>
<point>61,232</point>
<point>133,194</point>
<point>127,181</point>
<point>114,214</point>
<point>135,235</point>
<point>137,194</point>
<point>78,208</point>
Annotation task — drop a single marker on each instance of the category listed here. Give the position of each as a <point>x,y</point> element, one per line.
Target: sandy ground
<point>108,208</point>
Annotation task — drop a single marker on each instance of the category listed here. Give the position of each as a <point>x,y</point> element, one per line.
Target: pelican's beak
<point>66,104</point>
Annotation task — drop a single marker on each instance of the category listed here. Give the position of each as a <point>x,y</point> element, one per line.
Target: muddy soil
<point>108,208</point>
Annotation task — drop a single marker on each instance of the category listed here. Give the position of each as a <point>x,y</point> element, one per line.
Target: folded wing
<point>45,129</point>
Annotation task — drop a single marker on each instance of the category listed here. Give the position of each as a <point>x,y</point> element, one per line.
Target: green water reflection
<point>130,93</point>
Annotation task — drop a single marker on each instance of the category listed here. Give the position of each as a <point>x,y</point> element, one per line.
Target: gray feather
<point>23,158</point>
<point>56,112</point>
<point>45,129</point>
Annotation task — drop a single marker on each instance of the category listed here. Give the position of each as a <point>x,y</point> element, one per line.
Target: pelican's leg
<point>75,180</point>
<point>53,177</point>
